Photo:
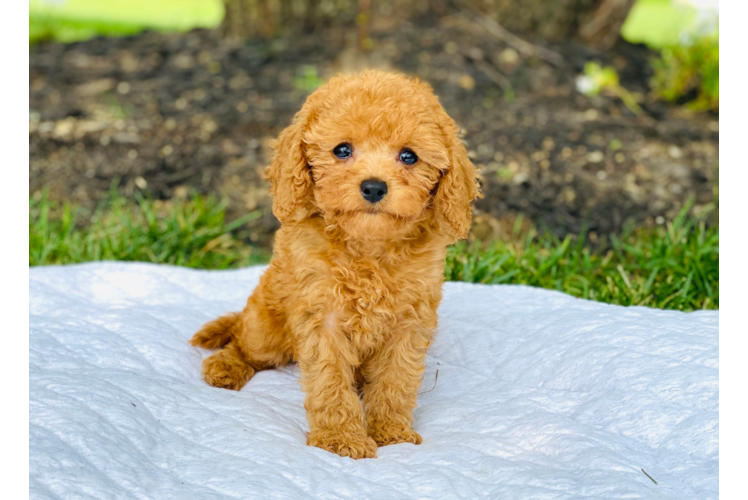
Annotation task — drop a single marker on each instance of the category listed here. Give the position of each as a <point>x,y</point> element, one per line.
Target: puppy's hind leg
<point>227,368</point>
<point>252,340</point>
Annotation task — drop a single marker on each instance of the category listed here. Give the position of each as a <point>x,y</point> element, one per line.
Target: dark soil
<point>171,113</point>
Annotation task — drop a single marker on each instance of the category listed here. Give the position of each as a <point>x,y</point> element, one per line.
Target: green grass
<point>671,267</point>
<point>675,266</point>
<point>75,20</point>
<point>191,233</point>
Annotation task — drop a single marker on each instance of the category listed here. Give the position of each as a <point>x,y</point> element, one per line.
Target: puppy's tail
<point>217,333</point>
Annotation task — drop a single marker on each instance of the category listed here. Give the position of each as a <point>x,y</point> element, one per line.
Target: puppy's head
<point>375,154</point>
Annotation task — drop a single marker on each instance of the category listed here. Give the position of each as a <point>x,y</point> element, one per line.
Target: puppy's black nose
<point>373,190</point>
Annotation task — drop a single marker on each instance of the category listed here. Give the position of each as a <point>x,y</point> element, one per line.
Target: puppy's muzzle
<point>373,190</point>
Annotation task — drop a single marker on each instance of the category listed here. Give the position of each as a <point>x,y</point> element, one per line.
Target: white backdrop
<point>539,395</point>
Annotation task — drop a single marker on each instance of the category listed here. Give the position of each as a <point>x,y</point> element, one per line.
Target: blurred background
<point>587,118</point>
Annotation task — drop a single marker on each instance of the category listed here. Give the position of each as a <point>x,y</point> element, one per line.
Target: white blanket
<point>538,395</point>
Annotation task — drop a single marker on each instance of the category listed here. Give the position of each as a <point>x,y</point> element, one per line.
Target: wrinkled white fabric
<point>538,395</point>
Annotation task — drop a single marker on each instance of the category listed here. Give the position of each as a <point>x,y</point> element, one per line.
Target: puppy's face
<point>375,161</point>
<point>375,154</point>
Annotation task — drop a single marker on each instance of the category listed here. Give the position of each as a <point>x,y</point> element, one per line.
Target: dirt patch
<point>170,113</point>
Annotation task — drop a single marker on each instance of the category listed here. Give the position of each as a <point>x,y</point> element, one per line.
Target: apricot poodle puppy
<point>370,183</point>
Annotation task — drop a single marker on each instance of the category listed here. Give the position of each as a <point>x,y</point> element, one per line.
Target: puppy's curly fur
<point>352,290</point>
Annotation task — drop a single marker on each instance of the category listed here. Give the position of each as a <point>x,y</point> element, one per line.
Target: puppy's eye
<point>408,157</point>
<point>343,151</point>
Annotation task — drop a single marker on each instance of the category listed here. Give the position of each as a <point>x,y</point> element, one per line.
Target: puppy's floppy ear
<point>458,185</point>
<point>290,179</point>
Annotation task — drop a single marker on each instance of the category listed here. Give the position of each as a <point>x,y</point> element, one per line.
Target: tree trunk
<point>595,22</point>
<point>604,27</point>
<point>265,18</point>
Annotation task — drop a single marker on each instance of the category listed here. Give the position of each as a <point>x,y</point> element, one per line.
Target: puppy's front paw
<point>383,434</point>
<point>346,444</point>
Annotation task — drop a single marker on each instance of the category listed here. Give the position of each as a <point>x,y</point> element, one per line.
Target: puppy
<point>370,183</point>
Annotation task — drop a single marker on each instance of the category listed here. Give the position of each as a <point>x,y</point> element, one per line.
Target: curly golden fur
<point>353,287</point>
